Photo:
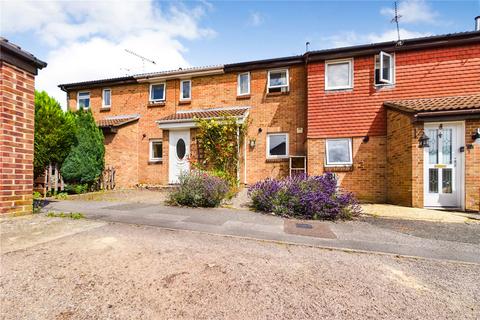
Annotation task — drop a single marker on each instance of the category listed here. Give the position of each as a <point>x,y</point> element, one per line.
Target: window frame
<point>189,92</point>
<point>103,98</point>
<point>287,86</point>
<point>78,99</point>
<point>328,163</point>
<point>392,69</point>
<point>151,91</point>
<point>350,74</point>
<point>151,142</point>
<point>239,86</point>
<point>269,156</point>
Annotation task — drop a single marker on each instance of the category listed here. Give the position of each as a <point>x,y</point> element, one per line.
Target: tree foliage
<point>85,162</point>
<point>54,132</point>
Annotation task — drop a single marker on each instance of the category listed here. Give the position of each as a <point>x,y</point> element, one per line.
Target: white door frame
<point>173,161</point>
<point>460,165</point>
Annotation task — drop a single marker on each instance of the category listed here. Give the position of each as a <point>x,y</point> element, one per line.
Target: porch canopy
<point>187,118</point>
<point>111,124</point>
<point>444,108</point>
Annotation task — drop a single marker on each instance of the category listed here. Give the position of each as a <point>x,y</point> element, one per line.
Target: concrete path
<point>399,212</point>
<point>351,235</point>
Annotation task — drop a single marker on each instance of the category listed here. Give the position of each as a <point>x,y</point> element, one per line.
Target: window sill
<point>243,97</point>
<point>338,168</point>
<point>160,161</point>
<point>339,90</point>
<point>153,104</point>
<point>184,102</point>
<point>103,109</point>
<point>384,86</point>
<point>274,94</point>
<point>273,160</point>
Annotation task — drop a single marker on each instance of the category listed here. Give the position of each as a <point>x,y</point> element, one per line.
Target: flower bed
<point>199,189</point>
<point>314,197</point>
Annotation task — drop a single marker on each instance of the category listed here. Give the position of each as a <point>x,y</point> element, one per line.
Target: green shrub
<point>54,132</point>
<point>73,215</point>
<point>61,196</point>
<point>76,188</point>
<point>199,189</point>
<point>85,162</point>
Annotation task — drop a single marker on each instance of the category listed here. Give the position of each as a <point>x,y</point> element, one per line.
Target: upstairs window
<point>277,145</point>
<point>278,80</point>
<point>339,152</point>
<point>243,84</point>
<point>185,90</point>
<point>83,100</point>
<point>339,74</point>
<point>157,92</point>
<point>156,149</point>
<point>106,98</point>
<point>384,69</point>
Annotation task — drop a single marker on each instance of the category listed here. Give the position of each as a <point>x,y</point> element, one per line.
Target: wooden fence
<point>53,181</point>
<point>107,179</point>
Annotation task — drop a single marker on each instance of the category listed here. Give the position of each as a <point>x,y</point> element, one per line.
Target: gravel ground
<point>120,271</point>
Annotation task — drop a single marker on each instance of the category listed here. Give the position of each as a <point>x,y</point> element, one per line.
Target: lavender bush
<point>199,189</point>
<point>315,197</point>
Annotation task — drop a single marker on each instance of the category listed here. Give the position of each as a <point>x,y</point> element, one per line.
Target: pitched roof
<point>191,115</point>
<point>436,104</point>
<point>116,121</point>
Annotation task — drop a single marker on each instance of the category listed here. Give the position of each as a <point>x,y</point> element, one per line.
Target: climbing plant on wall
<point>219,140</point>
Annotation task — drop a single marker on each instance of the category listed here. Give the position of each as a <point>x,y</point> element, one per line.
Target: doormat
<point>308,228</point>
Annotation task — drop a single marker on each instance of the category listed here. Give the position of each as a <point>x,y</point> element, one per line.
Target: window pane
<point>338,151</point>
<point>433,180</point>
<point>447,146</point>
<point>338,75</point>
<point>84,99</point>
<point>157,92</point>
<point>387,64</point>
<point>243,83</point>
<point>278,78</point>
<point>157,150</point>
<point>278,145</point>
<point>186,90</point>
<point>106,97</point>
<point>447,180</point>
<point>433,146</point>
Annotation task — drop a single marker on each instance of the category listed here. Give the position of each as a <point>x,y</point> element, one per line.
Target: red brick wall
<point>17,113</point>
<point>472,172</point>
<point>270,113</point>
<point>419,74</point>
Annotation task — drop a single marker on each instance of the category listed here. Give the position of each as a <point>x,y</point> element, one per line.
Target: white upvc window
<point>278,80</point>
<point>339,74</point>
<point>156,147</point>
<point>277,145</point>
<point>106,98</point>
<point>384,69</point>
<point>185,90</point>
<point>157,92</point>
<point>83,100</point>
<point>243,84</point>
<point>338,152</point>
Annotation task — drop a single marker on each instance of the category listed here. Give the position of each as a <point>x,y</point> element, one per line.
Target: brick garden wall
<point>16,136</point>
<point>270,113</point>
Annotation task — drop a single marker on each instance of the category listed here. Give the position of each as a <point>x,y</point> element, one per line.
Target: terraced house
<point>398,122</point>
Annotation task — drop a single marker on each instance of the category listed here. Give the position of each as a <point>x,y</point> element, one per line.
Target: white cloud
<point>255,19</point>
<point>88,38</point>
<point>350,38</point>
<point>413,11</point>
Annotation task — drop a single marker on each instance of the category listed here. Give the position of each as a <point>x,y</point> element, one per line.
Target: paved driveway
<point>402,237</point>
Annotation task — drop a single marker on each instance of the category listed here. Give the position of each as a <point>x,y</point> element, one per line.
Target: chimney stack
<point>477,23</point>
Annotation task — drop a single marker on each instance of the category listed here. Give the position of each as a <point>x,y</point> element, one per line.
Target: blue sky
<point>86,40</point>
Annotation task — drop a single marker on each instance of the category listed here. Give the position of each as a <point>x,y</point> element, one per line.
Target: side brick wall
<point>17,112</point>
<point>472,173</point>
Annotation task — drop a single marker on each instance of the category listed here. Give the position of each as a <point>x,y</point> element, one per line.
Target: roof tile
<point>191,115</point>
<point>436,104</point>
<point>116,121</point>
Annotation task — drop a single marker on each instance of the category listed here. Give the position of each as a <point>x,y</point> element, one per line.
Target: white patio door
<point>179,150</point>
<point>443,165</point>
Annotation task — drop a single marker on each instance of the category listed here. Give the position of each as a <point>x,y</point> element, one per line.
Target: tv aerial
<point>142,58</point>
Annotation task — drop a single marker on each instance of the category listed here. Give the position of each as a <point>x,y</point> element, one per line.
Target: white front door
<point>443,165</point>
<point>179,150</point>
